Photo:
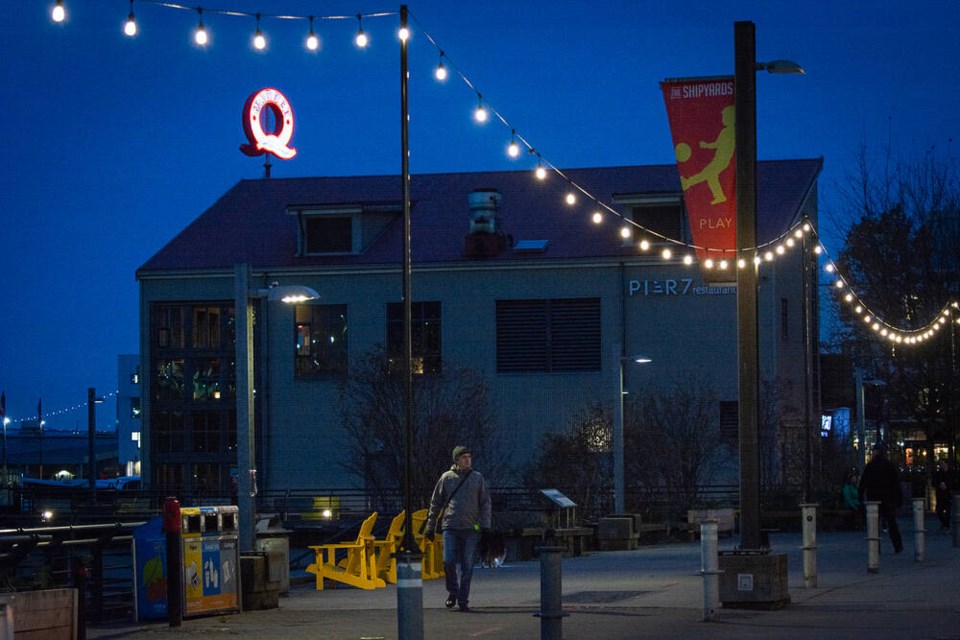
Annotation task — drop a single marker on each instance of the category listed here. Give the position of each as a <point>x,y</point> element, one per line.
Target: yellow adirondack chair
<point>357,568</point>
<point>432,550</point>
<point>387,548</point>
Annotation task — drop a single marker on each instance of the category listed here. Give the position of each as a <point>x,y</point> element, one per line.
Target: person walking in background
<point>944,482</point>
<point>461,503</point>
<point>880,482</point>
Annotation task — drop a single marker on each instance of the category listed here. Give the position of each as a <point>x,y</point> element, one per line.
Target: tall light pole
<point>246,422</point>
<point>92,401</point>
<point>409,567</point>
<point>745,106</point>
<point>619,489</point>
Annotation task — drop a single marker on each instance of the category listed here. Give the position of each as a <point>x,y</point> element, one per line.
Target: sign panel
<point>265,105</point>
<point>701,115</point>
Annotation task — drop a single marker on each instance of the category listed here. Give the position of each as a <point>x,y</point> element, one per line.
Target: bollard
<point>709,569</point>
<point>809,514</point>
<point>173,527</point>
<point>409,595</point>
<point>955,518</point>
<point>551,590</point>
<point>919,530</point>
<point>873,536</point>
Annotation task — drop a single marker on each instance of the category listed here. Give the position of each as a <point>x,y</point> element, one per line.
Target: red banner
<point>701,115</point>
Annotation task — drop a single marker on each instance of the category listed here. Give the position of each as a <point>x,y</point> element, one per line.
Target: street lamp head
<point>780,66</point>
<point>637,359</point>
<point>289,293</point>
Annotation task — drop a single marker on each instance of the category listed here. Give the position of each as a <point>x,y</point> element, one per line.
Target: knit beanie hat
<point>458,451</point>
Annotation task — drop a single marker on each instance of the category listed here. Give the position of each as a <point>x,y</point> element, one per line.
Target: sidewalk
<point>653,592</point>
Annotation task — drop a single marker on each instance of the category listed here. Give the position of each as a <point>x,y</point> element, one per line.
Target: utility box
<point>753,580</point>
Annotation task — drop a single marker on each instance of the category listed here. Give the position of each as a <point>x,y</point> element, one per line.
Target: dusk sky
<point>112,144</point>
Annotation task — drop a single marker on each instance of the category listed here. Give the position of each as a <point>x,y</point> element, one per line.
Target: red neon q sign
<point>275,141</point>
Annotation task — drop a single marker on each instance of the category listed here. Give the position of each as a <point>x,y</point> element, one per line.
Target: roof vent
<point>485,239</point>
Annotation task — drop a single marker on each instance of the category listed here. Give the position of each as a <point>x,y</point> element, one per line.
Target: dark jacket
<point>881,482</point>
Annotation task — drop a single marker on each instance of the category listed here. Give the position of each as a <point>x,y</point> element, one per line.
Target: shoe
<point>464,609</point>
<point>451,602</point>
<point>898,549</point>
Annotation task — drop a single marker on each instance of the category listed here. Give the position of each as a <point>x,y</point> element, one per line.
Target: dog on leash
<point>493,549</point>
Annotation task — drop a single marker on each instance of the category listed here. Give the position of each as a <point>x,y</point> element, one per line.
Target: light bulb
<point>741,263</point>
<point>361,38</point>
<point>513,149</point>
<point>404,34</point>
<point>259,42</point>
<point>200,36</point>
<point>688,259</point>
<point>540,172</point>
<point>59,14</point>
<point>708,264</point>
<point>130,26</point>
<point>667,254</point>
<point>441,72</point>
<point>625,232</point>
<point>313,42</point>
<point>597,217</point>
<point>644,244</point>
<point>571,199</point>
<point>723,264</point>
<point>480,114</point>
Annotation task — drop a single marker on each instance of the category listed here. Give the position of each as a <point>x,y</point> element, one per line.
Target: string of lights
<point>577,195</point>
<point>57,412</point>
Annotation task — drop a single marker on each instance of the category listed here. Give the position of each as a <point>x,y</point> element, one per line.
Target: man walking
<point>880,482</point>
<point>462,504</point>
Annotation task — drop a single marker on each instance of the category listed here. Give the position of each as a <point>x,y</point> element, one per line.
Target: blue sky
<point>112,145</point>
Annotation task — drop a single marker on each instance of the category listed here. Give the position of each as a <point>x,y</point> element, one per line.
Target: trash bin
<point>149,570</point>
<point>274,540</point>
<point>211,560</point>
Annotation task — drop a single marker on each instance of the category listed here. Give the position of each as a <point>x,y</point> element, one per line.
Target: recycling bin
<point>211,560</point>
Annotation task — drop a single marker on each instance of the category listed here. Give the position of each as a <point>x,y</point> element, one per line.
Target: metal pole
<point>809,526</point>
<point>246,444</point>
<point>745,105</point>
<point>919,530</point>
<point>861,423</point>
<point>955,520</point>
<point>91,447</point>
<point>618,475</point>
<point>807,377</point>
<point>409,564</point>
<point>873,536</point>
<point>709,568</point>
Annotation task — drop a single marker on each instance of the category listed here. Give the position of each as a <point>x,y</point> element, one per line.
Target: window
<point>206,327</point>
<point>206,432</point>
<point>661,213</point>
<point>327,234</point>
<point>320,339</point>
<point>169,328</point>
<point>168,432</point>
<point>206,379</point>
<point>555,335</point>
<point>168,384</point>
<point>424,338</point>
<point>729,421</point>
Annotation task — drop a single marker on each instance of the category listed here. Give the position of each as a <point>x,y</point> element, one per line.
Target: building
<point>128,413</point>
<point>507,278</point>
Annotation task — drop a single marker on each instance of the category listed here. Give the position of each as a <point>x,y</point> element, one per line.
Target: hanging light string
<point>60,412</point>
<point>759,255</point>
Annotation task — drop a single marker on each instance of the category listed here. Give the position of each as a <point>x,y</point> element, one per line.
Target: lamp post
<point>246,423</point>
<point>92,401</point>
<point>618,474</point>
<point>745,106</point>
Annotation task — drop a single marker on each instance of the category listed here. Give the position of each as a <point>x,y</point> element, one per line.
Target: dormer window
<point>341,229</point>
<point>329,231</point>
<point>662,214</point>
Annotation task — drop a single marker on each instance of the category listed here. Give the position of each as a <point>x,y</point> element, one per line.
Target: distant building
<point>128,414</point>
<point>507,279</point>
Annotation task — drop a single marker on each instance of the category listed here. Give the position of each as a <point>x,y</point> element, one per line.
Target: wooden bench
<point>387,548</point>
<point>432,562</point>
<point>359,566</point>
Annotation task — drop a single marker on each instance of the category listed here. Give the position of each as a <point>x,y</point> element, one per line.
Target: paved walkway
<point>653,592</point>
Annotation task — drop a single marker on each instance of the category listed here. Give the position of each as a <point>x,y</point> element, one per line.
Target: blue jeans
<point>459,553</point>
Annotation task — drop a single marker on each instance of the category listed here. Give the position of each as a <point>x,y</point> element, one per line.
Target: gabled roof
<point>251,222</point>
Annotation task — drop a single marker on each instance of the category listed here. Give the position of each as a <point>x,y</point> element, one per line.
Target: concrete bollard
<point>551,591</point>
<point>873,536</point>
<point>955,519</point>
<point>709,569</point>
<point>409,595</point>
<point>919,530</point>
<point>809,525</point>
